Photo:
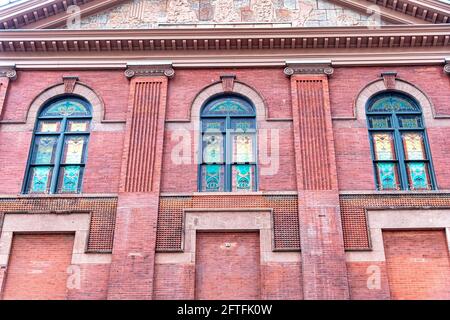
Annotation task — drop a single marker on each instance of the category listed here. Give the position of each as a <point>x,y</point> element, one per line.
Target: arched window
<point>228,158</point>
<point>399,143</point>
<point>58,152</point>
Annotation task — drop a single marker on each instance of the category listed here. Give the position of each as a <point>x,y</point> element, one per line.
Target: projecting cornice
<point>347,45</point>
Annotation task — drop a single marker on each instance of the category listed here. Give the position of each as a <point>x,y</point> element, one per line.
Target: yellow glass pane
<point>383,146</point>
<point>413,146</point>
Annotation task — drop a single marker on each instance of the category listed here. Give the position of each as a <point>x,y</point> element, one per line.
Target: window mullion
<point>58,156</point>
<point>228,154</point>
<point>400,153</point>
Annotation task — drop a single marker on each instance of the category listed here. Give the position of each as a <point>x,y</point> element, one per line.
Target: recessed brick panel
<point>285,216</point>
<point>418,264</point>
<point>354,207</point>
<point>102,210</point>
<point>227,266</point>
<point>37,267</point>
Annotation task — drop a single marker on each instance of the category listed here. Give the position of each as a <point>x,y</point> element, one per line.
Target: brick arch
<point>239,88</point>
<point>80,89</point>
<point>378,86</point>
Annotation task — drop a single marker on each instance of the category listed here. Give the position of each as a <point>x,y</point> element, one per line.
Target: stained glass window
<point>58,152</point>
<point>399,143</point>
<point>228,160</point>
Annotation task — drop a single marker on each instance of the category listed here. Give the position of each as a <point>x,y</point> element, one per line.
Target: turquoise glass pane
<point>213,148</point>
<point>213,125</point>
<point>410,122</point>
<point>69,178</point>
<point>392,103</point>
<point>387,176</point>
<point>243,177</point>
<point>213,177</point>
<point>418,176</point>
<point>243,125</point>
<point>380,122</point>
<point>228,106</point>
<point>40,179</point>
<point>44,149</point>
<point>66,108</point>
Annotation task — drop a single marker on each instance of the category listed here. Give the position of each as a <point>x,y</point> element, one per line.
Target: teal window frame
<point>58,154</point>
<point>228,132</point>
<point>396,130</point>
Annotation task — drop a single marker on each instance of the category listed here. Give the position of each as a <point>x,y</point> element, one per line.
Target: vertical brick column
<point>132,268</point>
<point>322,245</point>
<point>7,73</point>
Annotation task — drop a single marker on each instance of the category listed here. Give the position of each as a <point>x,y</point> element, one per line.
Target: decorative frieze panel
<point>150,14</point>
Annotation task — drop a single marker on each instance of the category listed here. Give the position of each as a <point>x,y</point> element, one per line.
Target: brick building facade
<point>268,152</point>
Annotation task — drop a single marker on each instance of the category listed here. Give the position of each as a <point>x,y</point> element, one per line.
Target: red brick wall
<point>353,158</point>
<point>111,86</point>
<point>14,146</point>
<point>368,280</point>
<point>418,264</point>
<point>227,272</point>
<point>347,82</point>
<point>37,266</point>
<point>281,281</point>
<point>93,282</point>
<point>174,281</point>
<point>183,89</point>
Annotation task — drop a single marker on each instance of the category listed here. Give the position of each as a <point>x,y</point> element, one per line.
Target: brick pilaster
<point>7,73</point>
<point>322,246</point>
<point>132,268</point>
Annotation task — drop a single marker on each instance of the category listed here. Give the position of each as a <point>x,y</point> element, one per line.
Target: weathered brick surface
<point>281,281</point>
<point>323,258</point>
<point>227,266</point>
<point>418,264</point>
<point>347,82</point>
<point>368,280</point>
<point>132,268</point>
<point>354,206</point>
<point>101,209</point>
<point>353,158</point>
<point>111,86</point>
<point>38,266</point>
<point>174,281</point>
<point>137,216</point>
<point>93,282</point>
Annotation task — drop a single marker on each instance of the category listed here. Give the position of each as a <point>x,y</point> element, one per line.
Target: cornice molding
<point>65,42</point>
<point>148,69</point>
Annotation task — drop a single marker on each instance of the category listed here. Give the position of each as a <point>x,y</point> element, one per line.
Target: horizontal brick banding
<point>353,212</point>
<point>102,210</point>
<point>285,213</point>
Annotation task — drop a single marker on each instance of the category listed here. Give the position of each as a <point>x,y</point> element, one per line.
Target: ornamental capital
<point>8,71</point>
<point>447,65</point>
<point>149,68</point>
<point>308,67</point>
